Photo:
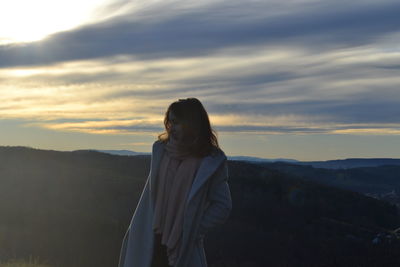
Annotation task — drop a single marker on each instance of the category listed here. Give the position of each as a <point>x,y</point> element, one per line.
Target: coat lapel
<point>156,156</point>
<point>207,167</point>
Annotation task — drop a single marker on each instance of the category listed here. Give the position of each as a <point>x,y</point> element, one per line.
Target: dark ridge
<point>73,208</point>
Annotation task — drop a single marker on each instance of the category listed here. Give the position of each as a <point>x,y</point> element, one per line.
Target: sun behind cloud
<point>27,21</point>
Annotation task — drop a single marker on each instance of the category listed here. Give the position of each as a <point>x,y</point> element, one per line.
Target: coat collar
<point>208,166</point>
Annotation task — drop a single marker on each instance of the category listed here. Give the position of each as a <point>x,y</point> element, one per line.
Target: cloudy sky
<point>300,79</point>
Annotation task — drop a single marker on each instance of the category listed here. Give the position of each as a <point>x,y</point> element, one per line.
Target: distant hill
<point>352,163</point>
<point>124,152</point>
<point>328,164</point>
<point>73,208</point>
<point>381,182</point>
<point>256,159</point>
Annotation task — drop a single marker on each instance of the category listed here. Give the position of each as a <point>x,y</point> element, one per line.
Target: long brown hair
<point>198,136</point>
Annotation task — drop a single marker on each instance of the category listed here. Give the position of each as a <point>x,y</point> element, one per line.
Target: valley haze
<point>330,164</point>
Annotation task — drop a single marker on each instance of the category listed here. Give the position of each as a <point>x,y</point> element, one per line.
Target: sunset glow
<point>27,21</point>
<point>267,76</point>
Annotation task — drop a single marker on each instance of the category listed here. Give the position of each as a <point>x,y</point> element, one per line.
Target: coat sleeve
<point>219,201</point>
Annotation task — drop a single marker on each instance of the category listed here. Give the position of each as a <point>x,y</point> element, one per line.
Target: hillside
<point>73,208</point>
<point>351,163</point>
<point>381,182</point>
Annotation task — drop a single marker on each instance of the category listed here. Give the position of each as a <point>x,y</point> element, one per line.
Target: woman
<point>185,195</point>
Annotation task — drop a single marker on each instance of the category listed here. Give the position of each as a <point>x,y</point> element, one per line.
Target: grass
<point>24,263</point>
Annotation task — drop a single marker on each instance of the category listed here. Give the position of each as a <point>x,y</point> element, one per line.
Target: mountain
<point>239,158</point>
<point>73,209</point>
<point>381,182</point>
<point>256,159</point>
<point>124,152</point>
<point>328,164</point>
<point>352,163</point>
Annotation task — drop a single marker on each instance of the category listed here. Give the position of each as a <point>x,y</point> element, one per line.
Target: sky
<point>297,79</point>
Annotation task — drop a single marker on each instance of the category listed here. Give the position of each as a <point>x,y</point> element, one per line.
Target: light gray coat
<point>208,205</point>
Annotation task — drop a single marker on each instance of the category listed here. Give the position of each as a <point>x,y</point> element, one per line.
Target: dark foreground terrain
<point>72,209</point>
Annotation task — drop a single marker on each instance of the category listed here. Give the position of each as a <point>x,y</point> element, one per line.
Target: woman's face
<point>176,127</point>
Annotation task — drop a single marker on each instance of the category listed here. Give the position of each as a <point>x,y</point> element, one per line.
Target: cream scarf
<point>172,186</point>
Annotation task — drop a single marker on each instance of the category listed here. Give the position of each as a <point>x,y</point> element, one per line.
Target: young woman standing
<point>185,195</point>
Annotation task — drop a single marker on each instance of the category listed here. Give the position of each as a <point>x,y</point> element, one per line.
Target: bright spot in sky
<point>27,20</point>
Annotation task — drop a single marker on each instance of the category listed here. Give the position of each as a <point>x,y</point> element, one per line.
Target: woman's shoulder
<point>217,152</point>
<point>156,146</point>
<point>158,142</point>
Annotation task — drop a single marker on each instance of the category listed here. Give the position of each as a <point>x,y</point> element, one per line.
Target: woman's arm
<point>219,199</point>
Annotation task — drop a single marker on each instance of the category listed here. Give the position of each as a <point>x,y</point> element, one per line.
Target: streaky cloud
<point>201,32</point>
<point>341,111</point>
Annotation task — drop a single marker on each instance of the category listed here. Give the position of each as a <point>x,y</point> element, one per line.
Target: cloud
<point>328,111</point>
<point>296,67</point>
<point>132,126</point>
<point>138,127</point>
<point>295,89</point>
<point>188,32</point>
